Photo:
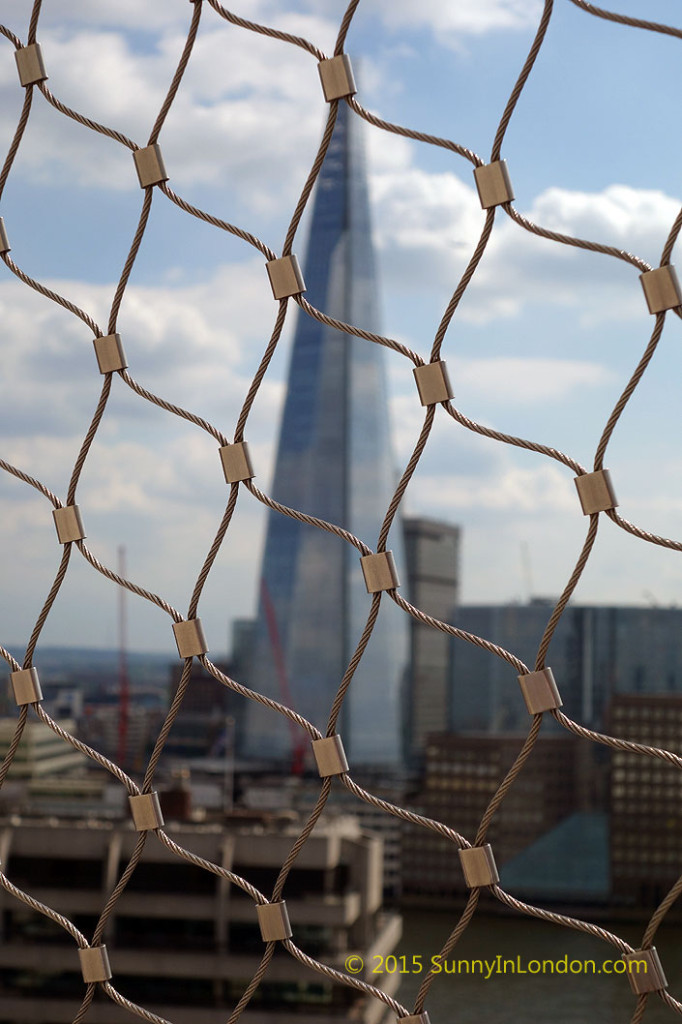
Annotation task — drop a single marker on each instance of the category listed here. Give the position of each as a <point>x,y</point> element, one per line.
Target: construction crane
<point>123,677</point>
<point>298,743</point>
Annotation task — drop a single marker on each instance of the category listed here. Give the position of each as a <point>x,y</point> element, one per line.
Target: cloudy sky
<point>543,343</point>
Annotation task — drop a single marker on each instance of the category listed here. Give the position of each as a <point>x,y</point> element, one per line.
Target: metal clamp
<point>433,383</point>
<point>661,289</point>
<point>189,637</point>
<point>110,354</point>
<point>415,1018</point>
<point>596,492</point>
<point>95,964</point>
<point>69,524</point>
<point>645,971</point>
<point>30,64</point>
<point>4,240</point>
<point>146,811</point>
<point>478,865</point>
<point>149,165</point>
<point>26,686</point>
<point>540,692</point>
<point>274,921</point>
<point>380,572</point>
<point>493,184</point>
<point>285,276</point>
<point>336,76</point>
<point>236,462</point>
<point>330,756</point>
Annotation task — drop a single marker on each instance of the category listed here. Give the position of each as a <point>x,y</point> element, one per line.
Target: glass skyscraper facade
<point>596,653</point>
<point>335,462</point>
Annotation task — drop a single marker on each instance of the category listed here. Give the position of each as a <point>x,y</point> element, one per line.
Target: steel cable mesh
<point>344,778</point>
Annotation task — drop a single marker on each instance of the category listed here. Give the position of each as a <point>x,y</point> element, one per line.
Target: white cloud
<point>159,16</point>
<point>425,223</point>
<point>627,215</point>
<point>519,268</point>
<point>249,112</point>
<point>248,115</point>
<point>428,225</point>
<point>470,17</point>
<point>247,120</point>
<point>528,491</point>
<point>510,381</point>
<point>116,13</point>
<point>151,481</point>
<point>196,345</point>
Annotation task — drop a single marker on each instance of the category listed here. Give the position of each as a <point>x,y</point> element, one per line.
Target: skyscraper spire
<point>334,461</point>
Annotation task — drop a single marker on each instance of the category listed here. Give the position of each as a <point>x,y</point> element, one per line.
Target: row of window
<point>58,872</point>
<point>185,991</point>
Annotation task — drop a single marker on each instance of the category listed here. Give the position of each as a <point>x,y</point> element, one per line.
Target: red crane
<point>123,678</point>
<point>298,743</point>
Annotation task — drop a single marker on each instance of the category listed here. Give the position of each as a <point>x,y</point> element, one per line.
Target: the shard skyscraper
<point>334,461</point>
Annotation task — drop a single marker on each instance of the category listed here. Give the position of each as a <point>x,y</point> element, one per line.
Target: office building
<point>41,753</point>
<point>432,561</point>
<point>334,461</point>
<point>596,652</point>
<point>211,715</point>
<point>646,795</point>
<point>181,941</point>
<point>461,776</point>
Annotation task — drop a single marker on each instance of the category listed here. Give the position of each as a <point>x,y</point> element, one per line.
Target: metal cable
<point>562,919</point>
<point>209,218</point>
<point>45,610</point>
<point>49,294</point>
<point>16,141</point>
<point>453,939</point>
<point>622,19</point>
<point>521,80</point>
<point>87,122</point>
<point>302,517</point>
<point>410,133</point>
<point>404,814</point>
<point>267,702</point>
<point>179,72</point>
<point>285,37</point>
<point>170,407</point>
<point>330,321</point>
<point>517,442</point>
<point>523,760</point>
<point>348,979</point>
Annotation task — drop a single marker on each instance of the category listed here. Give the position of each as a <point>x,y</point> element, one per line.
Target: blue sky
<point>542,345</point>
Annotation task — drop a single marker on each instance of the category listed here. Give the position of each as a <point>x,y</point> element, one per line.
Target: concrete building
<point>100,728</point>
<point>41,752</point>
<point>646,796</point>
<point>182,942</point>
<point>462,773</point>
<point>211,715</point>
<point>432,560</point>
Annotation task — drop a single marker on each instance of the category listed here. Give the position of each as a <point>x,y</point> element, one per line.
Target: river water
<point>541,998</point>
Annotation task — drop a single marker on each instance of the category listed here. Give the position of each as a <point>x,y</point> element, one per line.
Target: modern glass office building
<point>597,652</point>
<point>335,462</point>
